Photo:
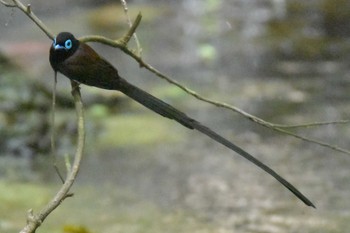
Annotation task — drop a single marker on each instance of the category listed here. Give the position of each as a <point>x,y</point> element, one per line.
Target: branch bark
<point>35,220</point>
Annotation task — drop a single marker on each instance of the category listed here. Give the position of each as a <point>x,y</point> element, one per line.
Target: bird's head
<point>63,46</point>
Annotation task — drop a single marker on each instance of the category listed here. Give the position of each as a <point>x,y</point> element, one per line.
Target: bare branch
<point>255,119</point>
<point>120,43</point>
<point>27,10</point>
<point>125,6</point>
<point>321,143</point>
<point>34,221</point>
<point>312,124</point>
<point>8,4</point>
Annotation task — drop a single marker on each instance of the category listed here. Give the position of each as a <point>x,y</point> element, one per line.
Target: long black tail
<point>168,111</point>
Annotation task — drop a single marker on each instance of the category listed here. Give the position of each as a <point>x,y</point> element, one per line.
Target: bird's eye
<point>68,44</point>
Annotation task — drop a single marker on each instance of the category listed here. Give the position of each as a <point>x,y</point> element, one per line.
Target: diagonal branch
<point>276,127</point>
<point>7,4</point>
<point>312,124</point>
<point>27,10</point>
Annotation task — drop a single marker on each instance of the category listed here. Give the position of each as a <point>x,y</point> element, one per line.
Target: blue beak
<point>58,47</point>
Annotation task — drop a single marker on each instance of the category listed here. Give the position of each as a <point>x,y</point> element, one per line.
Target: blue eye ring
<point>68,44</point>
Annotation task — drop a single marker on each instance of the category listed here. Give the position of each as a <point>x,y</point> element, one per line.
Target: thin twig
<point>120,43</point>
<point>33,17</point>
<point>8,4</point>
<point>35,220</point>
<point>312,124</point>
<point>125,6</point>
<point>321,143</point>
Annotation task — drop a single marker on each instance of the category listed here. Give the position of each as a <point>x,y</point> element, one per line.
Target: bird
<point>79,62</point>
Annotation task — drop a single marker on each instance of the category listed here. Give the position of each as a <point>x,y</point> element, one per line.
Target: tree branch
<point>27,10</point>
<point>34,221</point>
<point>312,124</point>
<point>125,6</point>
<point>276,127</point>
<point>8,4</point>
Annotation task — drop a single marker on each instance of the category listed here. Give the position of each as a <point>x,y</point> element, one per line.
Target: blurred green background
<point>285,61</point>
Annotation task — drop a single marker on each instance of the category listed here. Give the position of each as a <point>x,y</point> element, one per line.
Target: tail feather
<point>155,104</point>
<point>170,112</point>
